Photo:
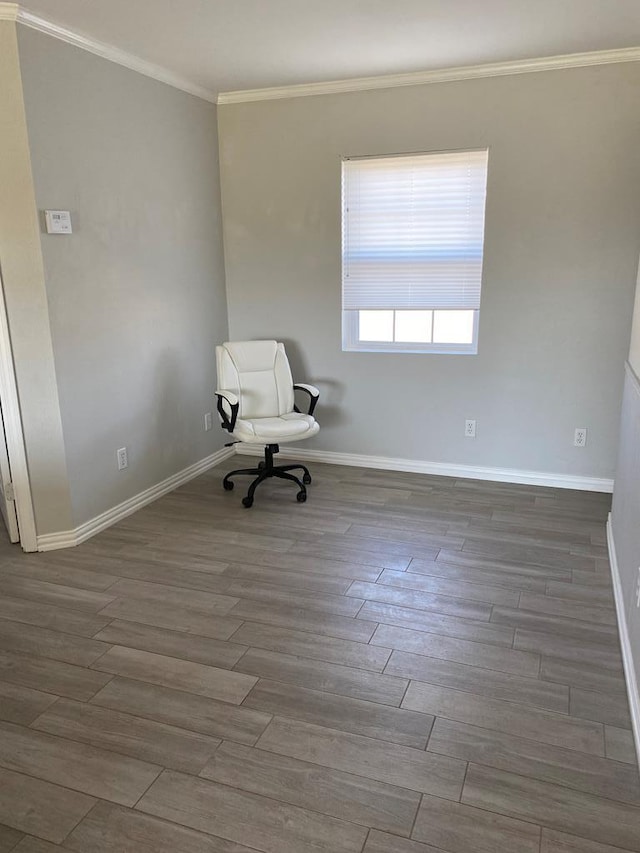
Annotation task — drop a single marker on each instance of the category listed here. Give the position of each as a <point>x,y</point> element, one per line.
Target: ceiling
<point>230,45</point>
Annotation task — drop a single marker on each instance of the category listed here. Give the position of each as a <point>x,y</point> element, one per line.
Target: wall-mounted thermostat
<point>58,221</point>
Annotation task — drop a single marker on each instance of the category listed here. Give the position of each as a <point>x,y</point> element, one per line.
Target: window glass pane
<point>453,327</point>
<point>376,326</point>
<point>413,327</point>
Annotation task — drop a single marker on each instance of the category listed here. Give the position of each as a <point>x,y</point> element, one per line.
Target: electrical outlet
<point>580,437</point>
<point>638,590</point>
<point>121,455</point>
<point>470,429</point>
<point>208,421</point>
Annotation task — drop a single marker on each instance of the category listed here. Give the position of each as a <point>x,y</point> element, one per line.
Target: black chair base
<point>267,469</point>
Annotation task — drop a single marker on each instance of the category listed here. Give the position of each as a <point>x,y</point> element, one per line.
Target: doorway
<point>16,507</point>
<point>7,496</point>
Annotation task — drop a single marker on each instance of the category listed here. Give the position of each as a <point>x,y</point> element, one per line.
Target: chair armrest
<point>232,400</point>
<point>312,391</point>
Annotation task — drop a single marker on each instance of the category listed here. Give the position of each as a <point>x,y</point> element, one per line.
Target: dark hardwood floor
<point>404,664</point>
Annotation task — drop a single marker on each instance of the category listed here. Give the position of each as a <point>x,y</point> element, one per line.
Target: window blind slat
<point>413,231</point>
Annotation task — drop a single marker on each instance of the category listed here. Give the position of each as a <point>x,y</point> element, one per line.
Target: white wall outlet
<point>580,437</point>
<point>121,455</point>
<point>470,429</point>
<point>638,590</point>
<point>208,421</point>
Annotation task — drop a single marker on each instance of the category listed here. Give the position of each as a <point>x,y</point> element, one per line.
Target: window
<point>413,233</point>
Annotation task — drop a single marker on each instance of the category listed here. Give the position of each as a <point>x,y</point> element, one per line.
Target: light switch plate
<point>58,221</point>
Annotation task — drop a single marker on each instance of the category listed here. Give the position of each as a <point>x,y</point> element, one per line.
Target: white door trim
<point>14,434</point>
<point>7,496</point>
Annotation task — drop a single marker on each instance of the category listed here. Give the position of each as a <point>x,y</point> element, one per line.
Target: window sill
<point>427,349</point>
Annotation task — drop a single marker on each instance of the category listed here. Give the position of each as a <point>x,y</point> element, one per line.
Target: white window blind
<point>413,231</point>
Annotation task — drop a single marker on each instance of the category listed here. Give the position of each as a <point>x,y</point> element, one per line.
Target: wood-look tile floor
<point>404,664</point>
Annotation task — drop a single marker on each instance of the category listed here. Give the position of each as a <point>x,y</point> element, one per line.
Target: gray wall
<point>625,517</point>
<point>634,349</point>
<point>136,295</point>
<point>562,239</point>
<point>625,513</point>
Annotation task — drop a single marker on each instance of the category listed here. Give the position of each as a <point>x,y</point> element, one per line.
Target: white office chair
<point>256,405</point>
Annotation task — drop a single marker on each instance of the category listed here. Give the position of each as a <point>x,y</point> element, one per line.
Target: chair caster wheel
<point>306,479</point>
<point>301,497</point>
<point>227,485</point>
<point>247,502</point>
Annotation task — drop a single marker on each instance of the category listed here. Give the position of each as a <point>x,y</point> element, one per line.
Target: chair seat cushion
<point>293,426</point>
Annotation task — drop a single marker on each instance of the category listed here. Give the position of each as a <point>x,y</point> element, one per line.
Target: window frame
<point>350,317</point>
<point>351,341</point>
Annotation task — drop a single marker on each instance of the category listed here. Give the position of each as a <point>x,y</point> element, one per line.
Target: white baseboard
<point>625,643</point>
<point>69,538</point>
<point>444,469</point>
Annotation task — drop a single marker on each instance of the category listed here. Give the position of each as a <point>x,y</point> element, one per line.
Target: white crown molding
<point>14,12</point>
<point>69,538</point>
<point>443,469</point>
<point>625,640</point>
<point>444,75</point>
<point>9,11</point>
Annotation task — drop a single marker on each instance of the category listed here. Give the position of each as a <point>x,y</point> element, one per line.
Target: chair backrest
<point>259,373</point>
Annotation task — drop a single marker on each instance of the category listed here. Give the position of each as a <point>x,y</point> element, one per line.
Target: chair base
<point>267,469</point>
